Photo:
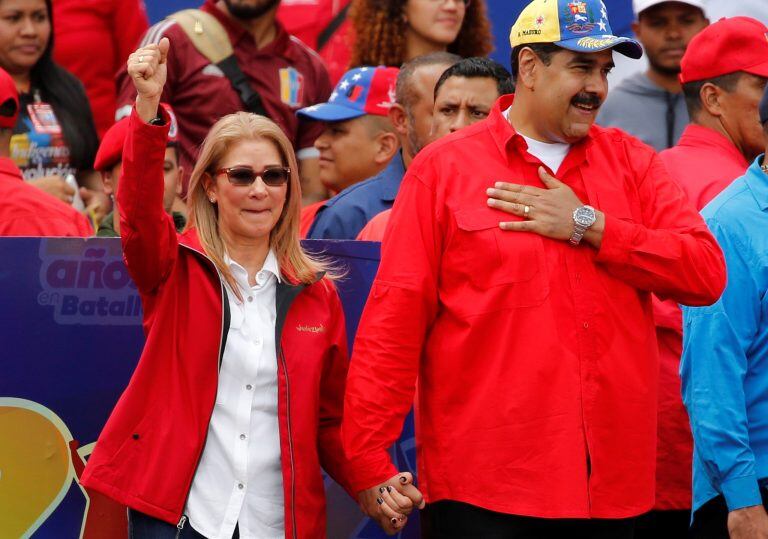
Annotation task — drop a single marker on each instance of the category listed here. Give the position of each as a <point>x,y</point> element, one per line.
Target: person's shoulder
<point>24,201</point>
<point>164,28</point>
<point>728,207</point>
<point>617,137</point>
<point>357,193</point>
<point>303,51</point>
<point>451,147</point>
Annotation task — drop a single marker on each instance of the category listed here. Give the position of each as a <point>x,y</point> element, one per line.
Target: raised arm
<point>147,232</point>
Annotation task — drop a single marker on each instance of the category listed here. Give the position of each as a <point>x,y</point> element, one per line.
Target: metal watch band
<point>578,233</point>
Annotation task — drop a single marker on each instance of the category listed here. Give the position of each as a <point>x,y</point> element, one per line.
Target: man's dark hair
<point>692,90</point>
<point>478,67</point>
<point>404,91</point>
<point>543,50</point>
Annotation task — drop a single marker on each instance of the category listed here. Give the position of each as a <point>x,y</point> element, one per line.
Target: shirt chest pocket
<point>512,265</point>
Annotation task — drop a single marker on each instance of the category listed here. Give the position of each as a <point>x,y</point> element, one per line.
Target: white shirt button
<point>242,436</point>
<point>249,387</point>
<point>250,298</point>
<point>240,486</point>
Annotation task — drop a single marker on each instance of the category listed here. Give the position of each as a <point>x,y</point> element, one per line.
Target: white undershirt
<point>239,478</point>
<point>551,154</point>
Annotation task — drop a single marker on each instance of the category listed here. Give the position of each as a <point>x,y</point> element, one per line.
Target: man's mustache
<point>586,98</point>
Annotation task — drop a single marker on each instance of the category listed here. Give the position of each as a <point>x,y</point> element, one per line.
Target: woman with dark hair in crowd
<point>55,134</point>
<point>237,399</point>
<point>390,32</point>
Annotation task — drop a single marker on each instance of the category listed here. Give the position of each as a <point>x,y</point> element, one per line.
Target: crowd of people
<point>572,282</point>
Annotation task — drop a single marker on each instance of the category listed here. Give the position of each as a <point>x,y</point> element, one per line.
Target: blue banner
<point>70,329</point>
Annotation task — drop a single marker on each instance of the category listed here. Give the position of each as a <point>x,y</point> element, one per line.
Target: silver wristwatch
<point>583,218</point>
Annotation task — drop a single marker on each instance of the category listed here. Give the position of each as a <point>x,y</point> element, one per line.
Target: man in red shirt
<point>287,75</point>
<point>515,289</point>
<point>26,210</point>
<point>724,72</point>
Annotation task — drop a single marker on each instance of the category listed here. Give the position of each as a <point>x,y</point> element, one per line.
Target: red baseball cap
<point>9,101</point>
<point>727,46</point>
<point>110,150</point>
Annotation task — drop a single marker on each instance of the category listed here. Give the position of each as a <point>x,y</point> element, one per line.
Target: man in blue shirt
<point>343,216</point>
<point>724,367</point>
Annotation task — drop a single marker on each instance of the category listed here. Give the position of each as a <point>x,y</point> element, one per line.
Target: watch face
<point>585,216</point>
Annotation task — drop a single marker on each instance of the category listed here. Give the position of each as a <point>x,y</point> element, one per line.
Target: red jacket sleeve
<point>671,252</point>
<point>401,306</point>
<point>332,384</point>
<point>148,235</point>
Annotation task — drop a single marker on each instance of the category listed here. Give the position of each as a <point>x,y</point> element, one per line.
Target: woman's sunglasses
<point>272,176</point>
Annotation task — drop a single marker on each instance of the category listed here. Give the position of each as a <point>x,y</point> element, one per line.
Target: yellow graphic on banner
<point>35,470</point>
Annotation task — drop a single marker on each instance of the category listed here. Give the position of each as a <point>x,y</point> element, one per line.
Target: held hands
<point>147,68</point>
<point>391,502</point>
<point>748,523</point>
<point>547,212</point>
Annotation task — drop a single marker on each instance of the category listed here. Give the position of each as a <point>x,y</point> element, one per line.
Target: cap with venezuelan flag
<point>577,25</point>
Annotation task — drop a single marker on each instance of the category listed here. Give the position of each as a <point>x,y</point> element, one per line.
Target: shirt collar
<point>699,136</point>
<point>757,181</point>
<point>509,141</point>
<point>241,275</point>
<point>9,168</point>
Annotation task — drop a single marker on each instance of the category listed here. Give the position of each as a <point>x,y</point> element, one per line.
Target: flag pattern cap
<point>361,91</point>
<point>577,25</point>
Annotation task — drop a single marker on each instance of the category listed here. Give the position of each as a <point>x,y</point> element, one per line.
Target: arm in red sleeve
<point>332,385</point>
<point>671,253</point>
<point>147,232</point>
<point>401,306</point>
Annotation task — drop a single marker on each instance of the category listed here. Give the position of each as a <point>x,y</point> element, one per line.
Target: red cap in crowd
<point>9,101</point>
<point>727,46</point>
<point>110,150</point>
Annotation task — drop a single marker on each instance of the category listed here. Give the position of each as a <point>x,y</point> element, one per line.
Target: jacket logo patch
<point>311,329</point>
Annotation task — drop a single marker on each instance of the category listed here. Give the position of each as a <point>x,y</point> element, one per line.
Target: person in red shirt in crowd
<point>724,72</point>
<point>26,210</point>
<point>359,140</point>
<point>392,32</point>
<point>324,26</point>
<point>111,27</point>
<point>516,278</point>
<point>109,162</point>
<point>464,95</point>
<point>286,73</point>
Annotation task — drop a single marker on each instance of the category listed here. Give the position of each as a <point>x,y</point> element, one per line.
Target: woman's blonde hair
<point>295,264</point>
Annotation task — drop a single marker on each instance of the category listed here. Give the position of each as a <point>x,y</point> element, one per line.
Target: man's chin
<point>247,11</point>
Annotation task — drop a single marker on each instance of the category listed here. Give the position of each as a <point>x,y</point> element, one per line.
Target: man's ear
<point>387,145</point>
<point>109,185</point>
<point>399,119</point>
<point>528,65</point>
<point>711,97</point>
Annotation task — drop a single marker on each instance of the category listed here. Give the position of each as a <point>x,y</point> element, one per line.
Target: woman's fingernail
<point>381,489</point>
<point>389,489</point>
<point>394,521</point>
<point>403,479</point>
<point>379,501</point>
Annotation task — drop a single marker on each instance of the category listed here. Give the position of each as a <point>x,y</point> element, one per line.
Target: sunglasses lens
<point>241,176</point>
<point>275,176</point>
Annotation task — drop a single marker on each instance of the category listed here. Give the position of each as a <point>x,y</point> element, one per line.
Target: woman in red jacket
<point>236,401</point>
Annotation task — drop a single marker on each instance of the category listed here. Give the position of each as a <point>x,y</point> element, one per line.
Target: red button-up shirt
<point>703,163</point>
<point>537,362</point>
<point>28,211</point>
